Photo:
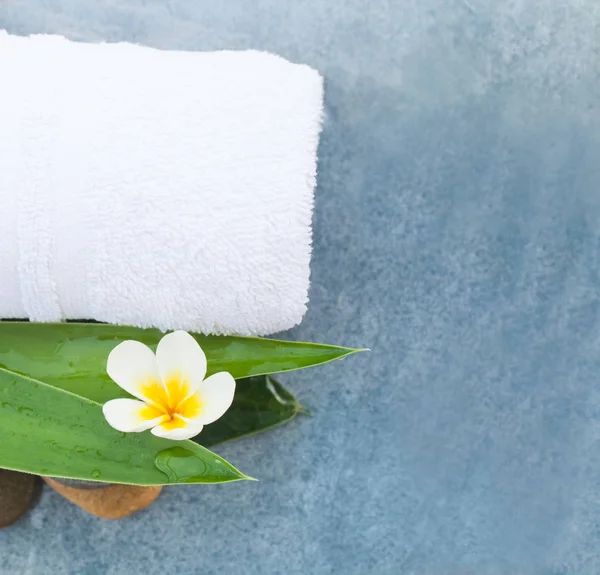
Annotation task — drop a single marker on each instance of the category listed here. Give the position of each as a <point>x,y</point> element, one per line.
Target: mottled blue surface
<point>457,233</point>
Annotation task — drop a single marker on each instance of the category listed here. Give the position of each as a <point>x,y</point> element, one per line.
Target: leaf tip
<point>303,410</point>
<point>241,476</point>
<point>353,350</point>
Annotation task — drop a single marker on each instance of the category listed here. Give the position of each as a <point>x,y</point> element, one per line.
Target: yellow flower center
<point>172,402</point>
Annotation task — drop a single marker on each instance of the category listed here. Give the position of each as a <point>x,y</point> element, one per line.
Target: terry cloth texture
<point>156,188</point>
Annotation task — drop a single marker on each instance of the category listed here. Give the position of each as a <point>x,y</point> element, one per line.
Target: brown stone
<point>113,502</point>
<point>16,492</point>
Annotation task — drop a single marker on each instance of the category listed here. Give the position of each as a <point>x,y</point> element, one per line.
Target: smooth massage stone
<point>112,502</point>
<point>16,493</point>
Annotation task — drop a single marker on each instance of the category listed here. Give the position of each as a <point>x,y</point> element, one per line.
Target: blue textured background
<point>457,233</point>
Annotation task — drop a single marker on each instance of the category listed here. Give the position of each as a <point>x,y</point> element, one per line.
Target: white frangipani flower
<point>174,399</point>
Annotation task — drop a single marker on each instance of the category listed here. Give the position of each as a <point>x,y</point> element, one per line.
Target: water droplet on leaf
<point>180,465</point>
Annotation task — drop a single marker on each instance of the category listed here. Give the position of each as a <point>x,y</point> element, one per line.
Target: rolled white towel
<point>155,188</point>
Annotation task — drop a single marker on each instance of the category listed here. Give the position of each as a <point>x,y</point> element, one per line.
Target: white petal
<point>216,394</point>
<point>179,355</point>
<point>192,428</point>
<point>131,365</point>
<point>126,415</point>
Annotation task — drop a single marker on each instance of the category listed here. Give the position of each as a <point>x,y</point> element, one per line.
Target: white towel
<point>155,188</point>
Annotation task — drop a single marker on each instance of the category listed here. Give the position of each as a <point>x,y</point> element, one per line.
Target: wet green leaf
<point>48,431</point>
<point>73,356</point>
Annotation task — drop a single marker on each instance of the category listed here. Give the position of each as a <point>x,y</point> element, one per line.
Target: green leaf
<point>48,431</point>
<point>73,356</point>
<point>259,404</point>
